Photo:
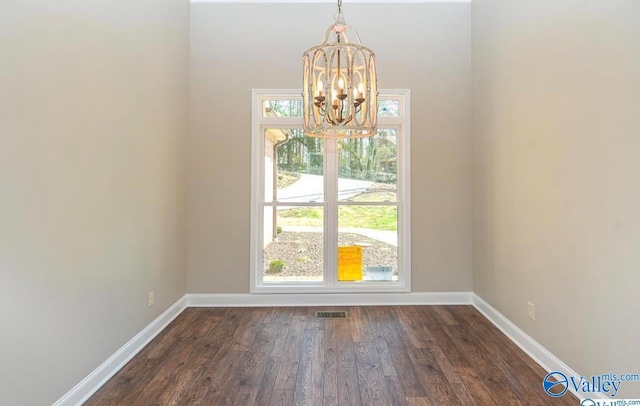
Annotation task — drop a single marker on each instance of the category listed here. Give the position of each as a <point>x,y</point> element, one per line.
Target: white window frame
<point>329,284</point>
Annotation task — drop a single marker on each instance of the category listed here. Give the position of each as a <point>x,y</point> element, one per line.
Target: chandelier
<point>340,89</point>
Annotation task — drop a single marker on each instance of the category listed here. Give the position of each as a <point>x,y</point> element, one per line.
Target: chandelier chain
<point>339,17</point>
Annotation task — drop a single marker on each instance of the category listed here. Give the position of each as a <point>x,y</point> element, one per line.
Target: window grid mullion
<point>331,220</point>
<point>365,203</point>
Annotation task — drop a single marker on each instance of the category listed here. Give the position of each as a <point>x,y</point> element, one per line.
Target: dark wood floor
<point>409,355</point>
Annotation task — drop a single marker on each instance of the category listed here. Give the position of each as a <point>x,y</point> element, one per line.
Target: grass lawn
<point>374,217</point>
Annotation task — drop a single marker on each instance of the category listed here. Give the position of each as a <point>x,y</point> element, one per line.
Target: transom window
<point>329,215</point>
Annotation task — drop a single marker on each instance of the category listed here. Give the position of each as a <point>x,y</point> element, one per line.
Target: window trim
<point>403,201</point>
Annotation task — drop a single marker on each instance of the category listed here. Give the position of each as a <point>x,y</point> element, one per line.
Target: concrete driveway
<point>309,188</point>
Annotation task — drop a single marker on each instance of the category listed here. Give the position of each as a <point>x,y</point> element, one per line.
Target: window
<point>329,215</point>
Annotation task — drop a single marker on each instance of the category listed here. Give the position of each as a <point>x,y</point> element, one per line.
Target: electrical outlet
<point>151,298</point>
<point>532,311</point>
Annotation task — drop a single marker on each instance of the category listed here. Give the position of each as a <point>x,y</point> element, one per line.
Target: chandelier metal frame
<point>340,88</point>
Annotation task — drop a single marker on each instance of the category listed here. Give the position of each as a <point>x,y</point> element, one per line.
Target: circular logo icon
<point>555,381</point>
<point>588,402</point>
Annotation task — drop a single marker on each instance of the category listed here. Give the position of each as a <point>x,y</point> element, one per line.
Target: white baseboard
<point>531,347</point>
<point>89,385</point>
<point>328,299</point>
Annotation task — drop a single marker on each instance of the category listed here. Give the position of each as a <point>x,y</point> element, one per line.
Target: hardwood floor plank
<point>395,390</point>
<point>282,398</point>
<point>360,331</point>
<point>265,391</point>
<point>422,401</point>
<point>345,354</point>
<point>480,393</point>
<point>371,381</point>
<point>329,401</point>
<point>439,391</point>
<point>308,390</point>
<point>446,344</point>
<point>281,315</point>
<point>385,326</point>
<point>216,363</point>
<point>254,364</point>
<point>281,339</point>
<point>288,370</point>
<point>413,331</point>
<point>383,323</point>
<point>424,358</point>
<point>445,316</point>
<point>385,357</point>
<point>445,365</point>
<point>220,380</point>
<point>246,332</point>
<point>411,385</point>
<point>330,381</point>
<point>482,363</point>
<point>452,377</point>
<point>438,388</point>
<point>463,395</point>
<point>348,389</point>
<point>426,315</point>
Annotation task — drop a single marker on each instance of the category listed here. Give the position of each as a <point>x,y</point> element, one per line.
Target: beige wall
<point>556,90</point>
<point>93,115</point>
<point>234,48</point>
<point>93,165</point>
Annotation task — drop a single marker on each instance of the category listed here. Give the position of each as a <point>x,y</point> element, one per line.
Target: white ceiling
<point>330,1</point>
